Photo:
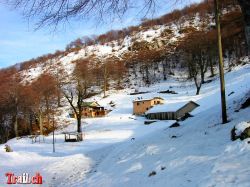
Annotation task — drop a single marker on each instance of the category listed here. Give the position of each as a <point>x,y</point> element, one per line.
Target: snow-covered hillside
<point>155,37</point>
<point>119,150</point>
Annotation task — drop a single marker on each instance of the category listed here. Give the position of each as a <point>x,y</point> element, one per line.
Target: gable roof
<point>171,107</point>
<point>90,104</point>
<point>190,102</point>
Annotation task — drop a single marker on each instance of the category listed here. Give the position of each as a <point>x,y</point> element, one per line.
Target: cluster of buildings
<point>153,109</point>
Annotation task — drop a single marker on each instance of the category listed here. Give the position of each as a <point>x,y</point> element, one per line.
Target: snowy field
<point>119,150</point>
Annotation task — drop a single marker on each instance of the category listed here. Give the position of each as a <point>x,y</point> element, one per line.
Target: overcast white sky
<point>19,41</point>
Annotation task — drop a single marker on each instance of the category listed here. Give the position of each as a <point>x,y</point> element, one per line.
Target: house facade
<point>93,109</point>
<point>140,106</point>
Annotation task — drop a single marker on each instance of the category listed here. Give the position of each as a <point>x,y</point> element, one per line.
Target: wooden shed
<point>171,111</point>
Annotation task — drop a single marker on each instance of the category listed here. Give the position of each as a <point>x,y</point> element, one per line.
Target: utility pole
<point>221,64</point>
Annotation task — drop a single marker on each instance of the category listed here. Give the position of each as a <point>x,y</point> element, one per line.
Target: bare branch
<point>54,12</point>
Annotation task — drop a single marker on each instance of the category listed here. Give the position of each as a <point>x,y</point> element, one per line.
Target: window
<point>138,103</point>
<point>158,102</point>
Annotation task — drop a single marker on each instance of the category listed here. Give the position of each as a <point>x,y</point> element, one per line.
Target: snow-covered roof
<point>146,99</point>
<point>89,104</point>
<point>170,107</point>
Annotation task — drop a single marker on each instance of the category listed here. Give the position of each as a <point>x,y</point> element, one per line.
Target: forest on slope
<point>183,41</point>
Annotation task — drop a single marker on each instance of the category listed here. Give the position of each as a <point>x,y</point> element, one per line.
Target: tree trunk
<point>58,99</point>
<point>247,34</point>
<point>16,118</point>
<point>105,80</point>
<point>58,91</point>
<point>54,148</point>
<point>30,123</point>
<point>202,77</point>
<point>79,120</point>
<point>202,67</point>
<point>164,66</point>
<point>221,65</point>
<point>134,70</point>
<point>245,7</point>
<point>198,88</point>
<point>16,126</point>
<point>77,110</point>
<point>147,74</point>
<point>40,122</point>
<point>211,67</point>
<point>80,109</point>
<point>47,110</point>
<point>198,85</point>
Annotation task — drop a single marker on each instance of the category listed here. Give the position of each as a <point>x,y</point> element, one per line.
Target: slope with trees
<point>131,58</point>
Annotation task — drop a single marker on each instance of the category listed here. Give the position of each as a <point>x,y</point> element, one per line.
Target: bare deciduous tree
<point>78,89</point>
<point>45,99</point>
<point>53,12</point>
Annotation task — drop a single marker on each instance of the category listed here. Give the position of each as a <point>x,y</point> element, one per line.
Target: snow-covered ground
<point>119,150</point>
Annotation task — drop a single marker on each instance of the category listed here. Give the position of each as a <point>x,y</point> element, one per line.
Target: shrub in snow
<point>8,148</point>
<point>112,104</point>
<point>163,167</point>
<point>242,131</point>
<point>233,134</point>
<point>152,174</point>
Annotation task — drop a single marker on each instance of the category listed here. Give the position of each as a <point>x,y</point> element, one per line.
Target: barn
<point>171,111</point>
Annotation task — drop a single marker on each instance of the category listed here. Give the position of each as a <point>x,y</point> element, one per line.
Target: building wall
<point>140,107</point>
<point>91,113</point>
<point>162,116</point>
<point>99,113</point>
<point>158,101</point>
